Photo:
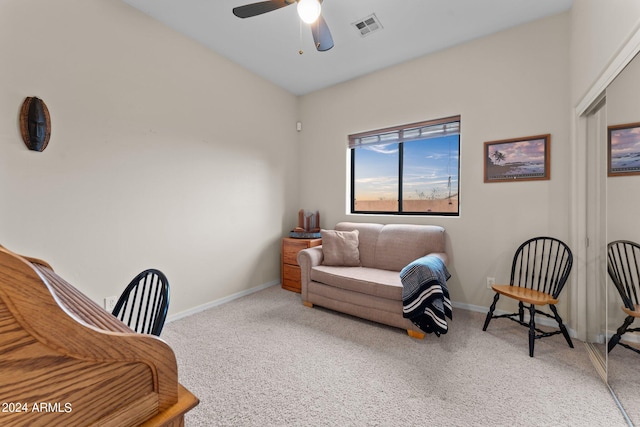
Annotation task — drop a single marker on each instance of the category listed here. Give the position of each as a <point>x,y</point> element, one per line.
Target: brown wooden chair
<point>539,271</point>
<point>623,257</point>
<point>144,303</point>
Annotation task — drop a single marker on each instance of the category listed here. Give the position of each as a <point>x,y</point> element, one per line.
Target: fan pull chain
<point>300,37</point>
<point>315,27</point>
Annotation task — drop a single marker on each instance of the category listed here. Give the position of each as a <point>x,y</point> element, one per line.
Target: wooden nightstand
<point>290,268</point>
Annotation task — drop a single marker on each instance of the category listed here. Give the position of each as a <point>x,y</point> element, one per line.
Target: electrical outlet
<point>490,282</point>
<point>110,303</point>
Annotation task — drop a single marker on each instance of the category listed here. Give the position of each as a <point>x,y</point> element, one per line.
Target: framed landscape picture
<point>623,150</point>
<point>518,159</point>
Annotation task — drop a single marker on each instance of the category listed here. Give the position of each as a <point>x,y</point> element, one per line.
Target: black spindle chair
<point>539,271</point>
<point>623,258</point>
<point>144,303</point>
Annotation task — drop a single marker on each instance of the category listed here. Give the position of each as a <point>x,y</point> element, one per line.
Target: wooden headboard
<point>66,361</point>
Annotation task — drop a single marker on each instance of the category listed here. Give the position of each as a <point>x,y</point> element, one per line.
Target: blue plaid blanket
<point>425,297</point>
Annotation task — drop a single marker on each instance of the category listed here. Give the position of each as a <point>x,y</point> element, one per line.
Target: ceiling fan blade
<point>253,9</point>
<point>321,35</point>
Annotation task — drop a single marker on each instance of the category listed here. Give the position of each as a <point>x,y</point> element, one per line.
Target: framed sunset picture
<point>624,150</point>
<point>518,159</point>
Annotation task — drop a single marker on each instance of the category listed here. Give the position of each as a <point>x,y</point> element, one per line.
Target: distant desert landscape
<point>448,205</point>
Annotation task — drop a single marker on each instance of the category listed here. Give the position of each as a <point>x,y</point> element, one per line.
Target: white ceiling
<point>268,44</point>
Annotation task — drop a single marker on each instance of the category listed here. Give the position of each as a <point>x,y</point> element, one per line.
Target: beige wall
<point>604,37</point>
<point>163,154</point>
<point>623,205</point>
<point>599,29</point>
<point>511,84</point>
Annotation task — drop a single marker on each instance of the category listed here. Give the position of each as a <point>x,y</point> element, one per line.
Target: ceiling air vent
<point>368,25</point>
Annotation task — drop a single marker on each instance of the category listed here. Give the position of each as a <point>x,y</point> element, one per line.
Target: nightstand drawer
<point>290,269</point>
<point>290,251</point>
<point>291,277</point>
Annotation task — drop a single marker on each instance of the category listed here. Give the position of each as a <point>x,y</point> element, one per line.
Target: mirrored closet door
<point>595,217</point>
<point>623,223</point>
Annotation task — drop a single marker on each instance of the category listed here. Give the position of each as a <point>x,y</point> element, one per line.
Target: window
<point>407,170</point>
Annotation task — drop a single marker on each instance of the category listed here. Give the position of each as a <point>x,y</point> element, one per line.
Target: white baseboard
<point>477,308</point>
<point>202,307</point>
<point>540,320</point>
<point>632,337</point>
<point>629,337</point>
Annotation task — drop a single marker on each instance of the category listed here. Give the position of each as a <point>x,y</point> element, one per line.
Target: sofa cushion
<point>357,300</point>
<point>340,248</point>
<point>367,238</point>
<point>400,244</point>
<point>393,246</point>
<point>371,281</point>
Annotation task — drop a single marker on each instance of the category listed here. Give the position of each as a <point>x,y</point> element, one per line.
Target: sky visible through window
<point>430,170</point>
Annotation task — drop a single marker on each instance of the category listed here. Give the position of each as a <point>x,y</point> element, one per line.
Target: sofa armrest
<point>307,259</point>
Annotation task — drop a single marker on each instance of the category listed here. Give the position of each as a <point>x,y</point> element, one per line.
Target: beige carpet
<point>266,360</point>
<point>624,377</point>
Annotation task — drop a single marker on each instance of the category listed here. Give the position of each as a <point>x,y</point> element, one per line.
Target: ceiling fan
<point>308,10</point>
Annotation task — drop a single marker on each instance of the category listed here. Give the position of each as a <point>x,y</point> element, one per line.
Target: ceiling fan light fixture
<point>309,10</point>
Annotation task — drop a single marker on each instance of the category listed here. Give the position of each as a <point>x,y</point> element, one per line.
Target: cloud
<point>625,141</point>
<point>520,151</point>
<point>382,148</point>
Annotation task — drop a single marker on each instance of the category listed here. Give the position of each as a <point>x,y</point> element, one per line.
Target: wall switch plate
<point>490,282</point>
<point>110,303</point>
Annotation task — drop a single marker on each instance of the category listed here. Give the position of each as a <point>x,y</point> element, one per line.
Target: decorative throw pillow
<point>340,248</point>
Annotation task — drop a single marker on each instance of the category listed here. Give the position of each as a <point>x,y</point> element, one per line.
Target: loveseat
<point>364,260</point>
